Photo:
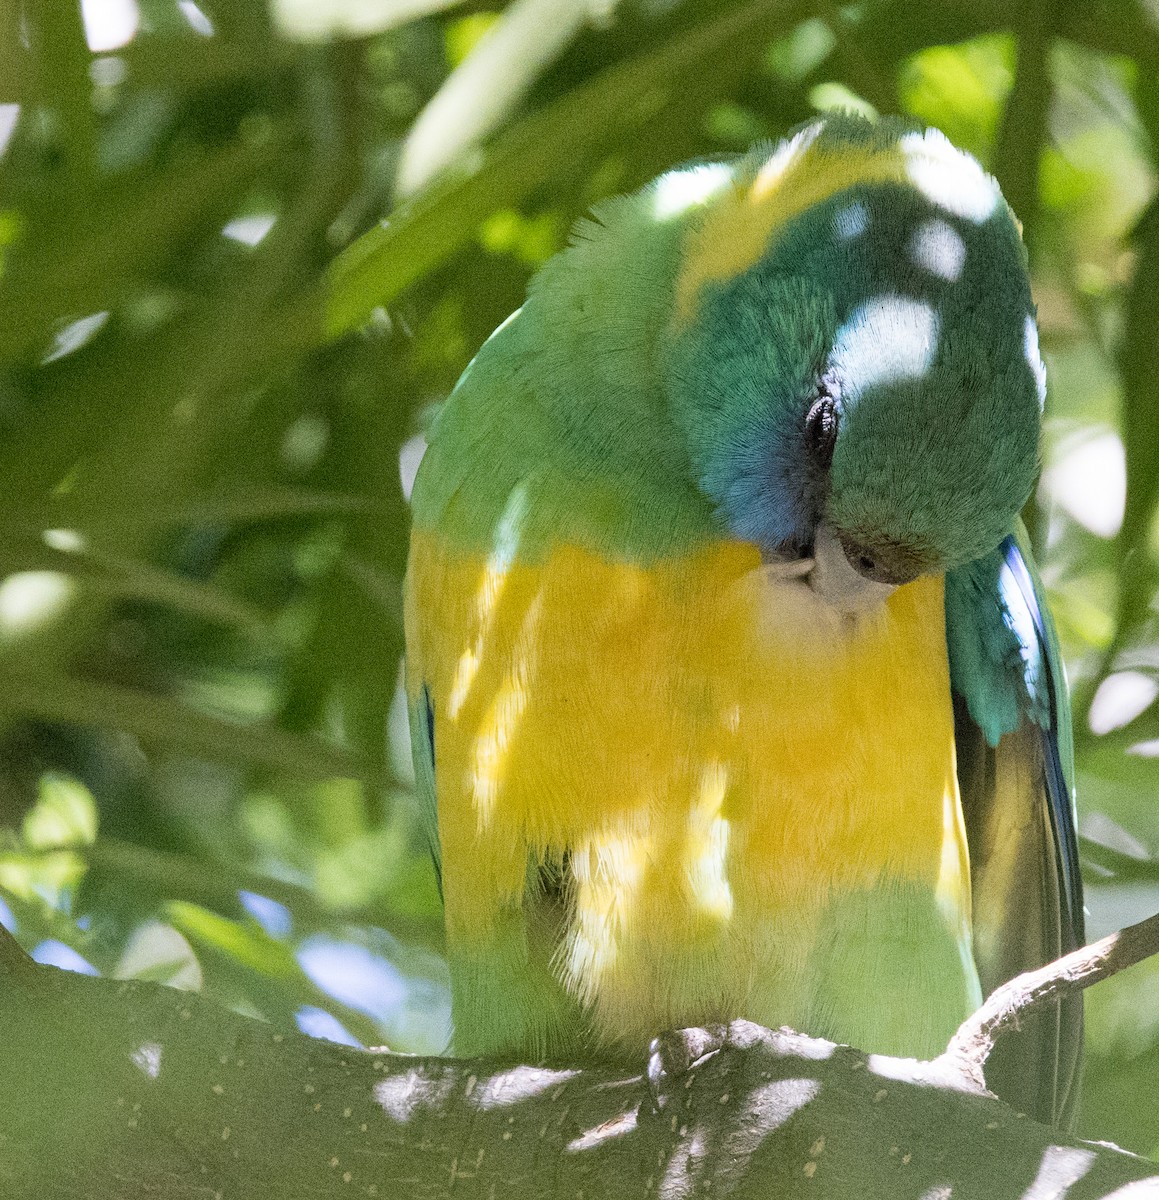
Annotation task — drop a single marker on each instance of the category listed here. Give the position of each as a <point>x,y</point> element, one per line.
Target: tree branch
<point>1004,1009</point>
<point>130,1090</point>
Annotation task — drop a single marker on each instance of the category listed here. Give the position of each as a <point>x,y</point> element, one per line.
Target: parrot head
<point>853,356</point>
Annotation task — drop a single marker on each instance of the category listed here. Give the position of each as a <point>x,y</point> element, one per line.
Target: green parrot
<point>732,689</point>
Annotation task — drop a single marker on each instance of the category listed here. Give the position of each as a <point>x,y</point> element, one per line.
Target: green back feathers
<point>558,430</point>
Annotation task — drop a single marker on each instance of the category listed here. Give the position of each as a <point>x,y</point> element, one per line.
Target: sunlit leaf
<point>65,815</point>
<point>245,943</point>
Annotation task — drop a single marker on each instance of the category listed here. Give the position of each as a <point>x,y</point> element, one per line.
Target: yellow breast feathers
<point>751,798</point>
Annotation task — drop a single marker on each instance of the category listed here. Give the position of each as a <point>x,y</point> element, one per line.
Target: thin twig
<point>971,1046</point>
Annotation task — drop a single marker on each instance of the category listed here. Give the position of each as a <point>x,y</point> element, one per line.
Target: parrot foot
<point>674,1053</point>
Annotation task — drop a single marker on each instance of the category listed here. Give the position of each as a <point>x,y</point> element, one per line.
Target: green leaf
<point>161,721</point>
<point>245,943</point>
<point>64,815</point>
<point>377,268</point>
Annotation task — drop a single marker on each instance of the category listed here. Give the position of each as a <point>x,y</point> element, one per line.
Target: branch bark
<point>1005,1007</point>
<point>130,1090</point>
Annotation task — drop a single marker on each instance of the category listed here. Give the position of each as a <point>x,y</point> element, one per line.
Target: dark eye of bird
<point>821,430</point>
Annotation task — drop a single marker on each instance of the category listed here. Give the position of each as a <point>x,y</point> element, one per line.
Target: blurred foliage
<point>243,250</point>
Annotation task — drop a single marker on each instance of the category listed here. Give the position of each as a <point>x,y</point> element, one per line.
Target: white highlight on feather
<point>1034,358</point>
<point>851,221</point>
<point>949,178</point>
<point>678,191</point>
<point>507,534</point>
<point>938,248</point>
<point>1021,620</point>
<point>608,870</point>
<point>489,759</point>
<point>708,842</point>
<point>953,890</point>
<point>886,339</point>
<point>785,154</point>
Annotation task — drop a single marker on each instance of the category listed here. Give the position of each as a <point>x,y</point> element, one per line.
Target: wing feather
<point>1012,728</point>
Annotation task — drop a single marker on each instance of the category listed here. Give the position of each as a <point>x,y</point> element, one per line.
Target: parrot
<point>732,689</point>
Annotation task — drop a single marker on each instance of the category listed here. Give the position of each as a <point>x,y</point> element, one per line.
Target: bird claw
<point>674,1053</point>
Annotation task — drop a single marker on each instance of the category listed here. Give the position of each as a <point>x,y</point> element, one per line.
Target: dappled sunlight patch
<point>938,248</point>
<point>774,1103</point>
<point>683,1175</point>
<point>1121,698</point>
<point>159,953</point>
<point>1061,1168</point>
<point>195,18</point>
<point>885,340</point>
<point>147,1059</point>
<point>110,24</point>
<point>617,1127</point>
<point>890,1066</point>
<point>950,179</point>
<point>519,1083</point>
<point>275,918</point>
<point>1034,359</point>
<point>782,158</point>
<point>72,336</point>
<point>608,872</point>
<point>29,600</point>
<point>1020,619</point>
<point>9,116</point>
<point>814,1049</point>
<point>952,891</point>
<point>491,585</point>
<point>491,746</point>
<point>766,1109</point>
<point>708,837</point>
<point>851,221</point>
<point>1088,478</point>
<point>67,541</point>
<point>402,1096</point>
<point>249,230</point>
<point>678,191</point>
<point>65,814</point>
<point>498,729</point>
<point>1138,1189</point>
<point>410,458</point>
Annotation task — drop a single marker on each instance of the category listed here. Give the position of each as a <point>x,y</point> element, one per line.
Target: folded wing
<point>1015,768</point>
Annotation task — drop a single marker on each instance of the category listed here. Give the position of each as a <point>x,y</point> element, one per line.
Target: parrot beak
<point>836,582</point>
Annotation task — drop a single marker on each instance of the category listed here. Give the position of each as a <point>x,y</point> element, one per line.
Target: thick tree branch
<point>1004,1009</point>
<point>14,963</point>
<point>129,1090</point>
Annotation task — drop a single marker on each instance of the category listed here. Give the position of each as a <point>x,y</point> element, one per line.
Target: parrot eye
<point>821,430</point>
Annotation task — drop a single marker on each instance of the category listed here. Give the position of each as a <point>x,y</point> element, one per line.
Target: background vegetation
<point>243,251</point>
